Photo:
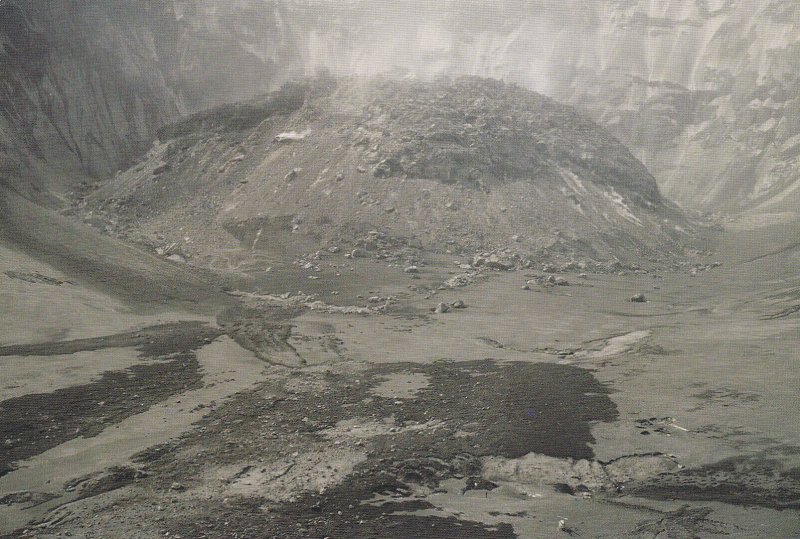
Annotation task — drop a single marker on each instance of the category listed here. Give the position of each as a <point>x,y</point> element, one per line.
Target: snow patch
<point>292,136</point>
<point>621,207</point>
<point>573,182</point>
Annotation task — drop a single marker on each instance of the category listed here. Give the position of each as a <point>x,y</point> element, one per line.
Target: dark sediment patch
<point>683,522</point>
<point>31,499</point>
<point>507,409</point>
<point>522,408</point>
<point>262,331</point>
<point>336,516</point>
<point>642,315</point>
<point>746,481</point>
<point>112,479</point>
<point>151,341</point>
<point>34,423</point>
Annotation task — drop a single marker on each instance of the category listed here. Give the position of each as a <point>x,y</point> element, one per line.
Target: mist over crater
<point>703,92</point>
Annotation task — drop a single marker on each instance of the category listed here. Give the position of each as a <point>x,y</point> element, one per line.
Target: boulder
<point>387,168</point>
<point>478,260</point>
<point>497,263</point>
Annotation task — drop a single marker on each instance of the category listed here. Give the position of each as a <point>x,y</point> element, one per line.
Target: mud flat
<point>71,442</point>
<point>546,411</point>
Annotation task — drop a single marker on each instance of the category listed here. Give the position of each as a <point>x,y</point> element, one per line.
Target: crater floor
<point>345,406</point>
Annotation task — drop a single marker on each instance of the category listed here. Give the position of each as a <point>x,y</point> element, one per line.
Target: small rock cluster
<point>381,246</point>
<point>698,268</point>
<point>504,260</point>
<point>545,280</point>
<point>443,307</point>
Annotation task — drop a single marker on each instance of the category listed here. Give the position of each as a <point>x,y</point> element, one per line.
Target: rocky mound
<point>704,92</point>
<point>464,165</point>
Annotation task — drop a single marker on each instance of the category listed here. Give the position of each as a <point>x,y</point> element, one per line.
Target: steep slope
<point>85,85</point>
<point>79,92</point>
<point>704,92</point>
<point>466,165</point>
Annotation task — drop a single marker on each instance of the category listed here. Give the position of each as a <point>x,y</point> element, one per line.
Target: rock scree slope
<point>464,164</point>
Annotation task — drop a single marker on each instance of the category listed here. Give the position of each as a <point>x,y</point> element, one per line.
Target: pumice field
<point>423,269</point>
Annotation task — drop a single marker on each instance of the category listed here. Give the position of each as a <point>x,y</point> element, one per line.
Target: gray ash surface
<point>33,423</point>
<point>513,409</point>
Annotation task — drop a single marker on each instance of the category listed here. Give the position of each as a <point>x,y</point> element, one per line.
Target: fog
<point>425,39</point>
<point>704,92</point>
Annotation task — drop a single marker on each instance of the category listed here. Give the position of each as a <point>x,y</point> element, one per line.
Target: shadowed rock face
<point>80,94</point>
<point>703,91</point>
<point>87,84</point>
